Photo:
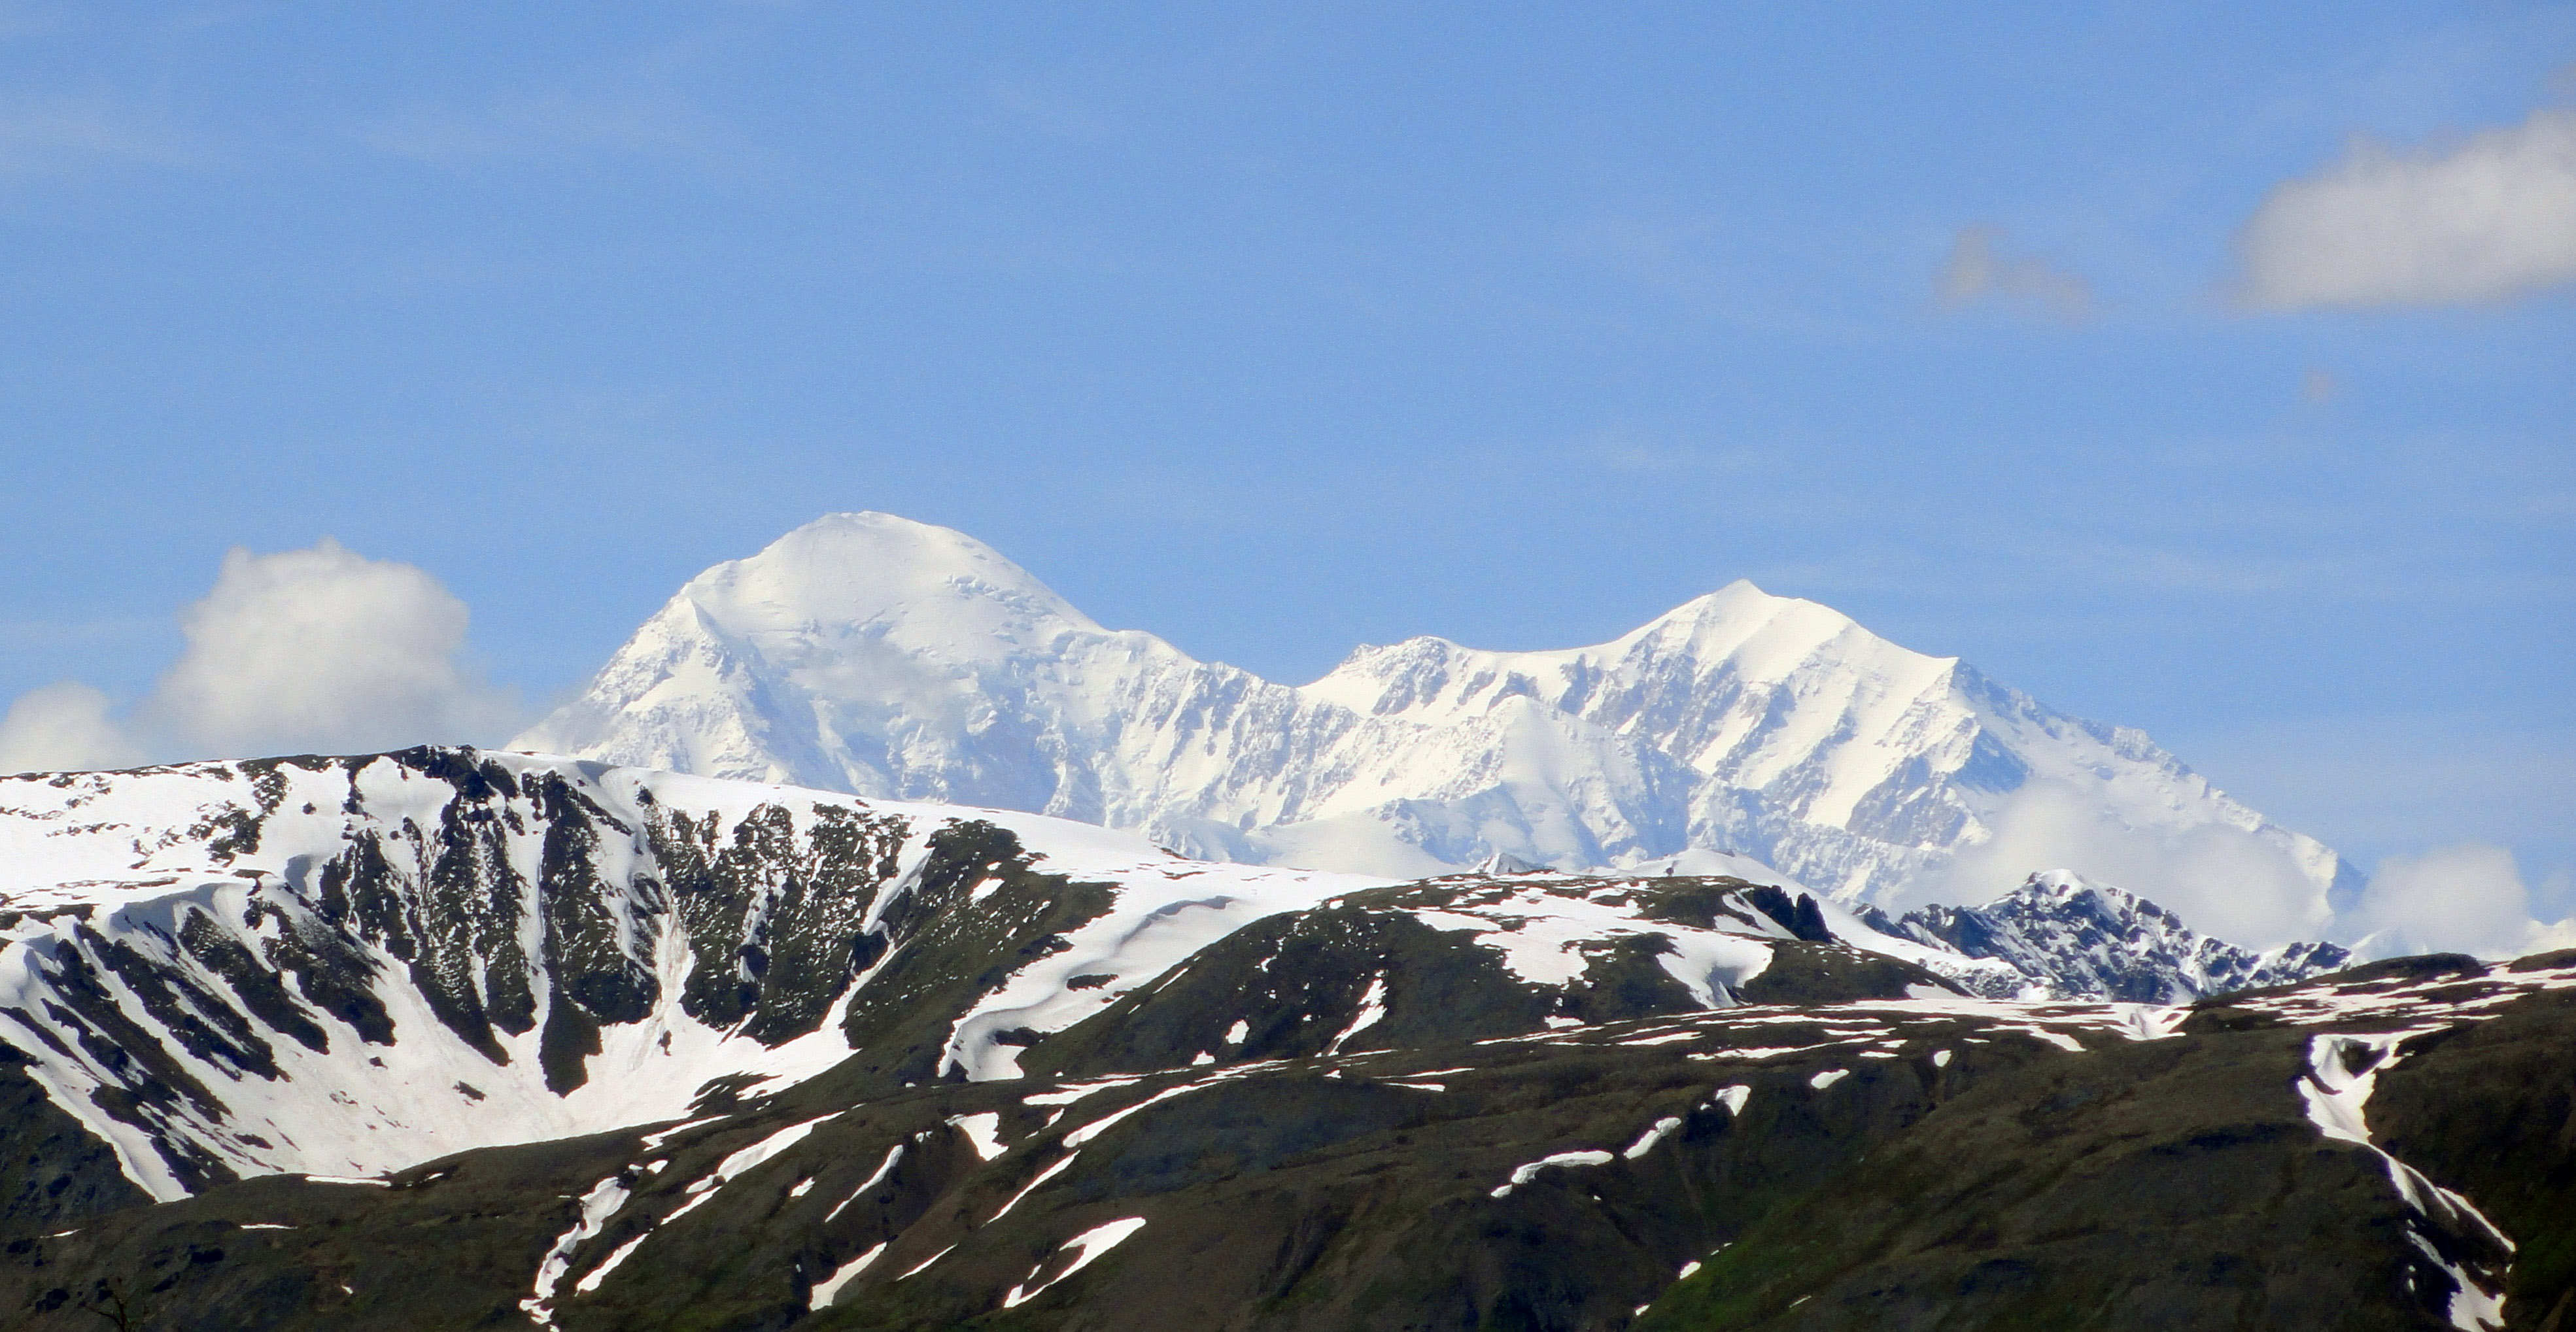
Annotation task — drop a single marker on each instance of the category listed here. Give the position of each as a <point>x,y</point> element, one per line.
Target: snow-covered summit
<point>871,654</point>
<point>925,587</point>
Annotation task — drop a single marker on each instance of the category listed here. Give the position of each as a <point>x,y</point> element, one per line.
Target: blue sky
<point>1278,329</point>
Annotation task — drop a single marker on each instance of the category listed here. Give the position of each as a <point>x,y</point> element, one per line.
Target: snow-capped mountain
<point>348,965</point>
<point>2069,939</point>
<point>870,654</point>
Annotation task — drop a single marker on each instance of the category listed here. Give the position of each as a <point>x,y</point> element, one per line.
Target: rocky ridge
<point>343,965</point>
<point>2068,939</point>
<point>448,1038</point>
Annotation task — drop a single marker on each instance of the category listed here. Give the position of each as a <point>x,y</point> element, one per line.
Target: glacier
<point>870,654</point>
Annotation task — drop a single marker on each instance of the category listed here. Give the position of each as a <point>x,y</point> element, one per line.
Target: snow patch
<point>597,1206</point>
<point>1086,1248</point>
<point>590,1280</point>
<point>884,1168</point>
<point>829,1287</point>
<point>1523,1174</point>
<point>1372,1009</point>
<point>2342,1072</point>
<point>983,1132</point>
<point>1032,1186</point>
<point>1645,1143</point>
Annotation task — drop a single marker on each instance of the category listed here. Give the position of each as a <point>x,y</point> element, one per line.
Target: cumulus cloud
<point>306,650</point>
<point>2221,880</point>
<point>2459,899</point>
<point>324,649</point>
<point>1974,273</point>
<point>2491,217</point>
<point>63,727</point>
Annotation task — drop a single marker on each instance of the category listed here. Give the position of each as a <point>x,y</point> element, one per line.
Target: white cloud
<point>2221,880</point>
<point>2468,898</point>
<point>2247,889</point>
<point>319,650</point>
<point>1975,273</point>
<point>324,649</point>
<point>63,727</point>
<point>2492,217</point>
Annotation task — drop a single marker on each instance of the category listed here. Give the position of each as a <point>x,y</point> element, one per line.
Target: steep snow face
<point>871,654</point>
<point>2069,939</point>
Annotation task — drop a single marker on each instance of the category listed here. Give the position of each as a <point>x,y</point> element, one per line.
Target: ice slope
<point>871,654</point>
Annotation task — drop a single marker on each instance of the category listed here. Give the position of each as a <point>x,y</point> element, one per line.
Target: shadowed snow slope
<point>871,654</point>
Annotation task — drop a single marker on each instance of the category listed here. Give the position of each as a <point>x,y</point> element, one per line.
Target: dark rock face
<point>53,1172</point>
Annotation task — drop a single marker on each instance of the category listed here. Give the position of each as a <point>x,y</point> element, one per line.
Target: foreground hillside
<point>454,1039</point>
<point>2386,1150</point>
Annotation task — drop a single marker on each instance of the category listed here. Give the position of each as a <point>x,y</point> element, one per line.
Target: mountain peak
<point>864,569</point>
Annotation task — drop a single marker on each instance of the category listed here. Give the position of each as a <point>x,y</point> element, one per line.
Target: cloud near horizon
<point>63,727</point>
<point>2248,890</point>
<point>2221,880</point>
<point>2468,898</point>
<point>318,650</point>
<point>2488,219</point>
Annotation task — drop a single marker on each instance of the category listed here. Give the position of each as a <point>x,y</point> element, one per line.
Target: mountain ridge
<point>447,1037</point>
<point>2073,939</point>
<point>871,654</point>
<point>349,964</point>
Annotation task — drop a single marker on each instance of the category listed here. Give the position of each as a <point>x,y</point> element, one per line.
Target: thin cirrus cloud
<point>641,122</point>
<point>304,650</point>
<point>1976,273</point>
<point>2490,218</point>
<point>61,135</point>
